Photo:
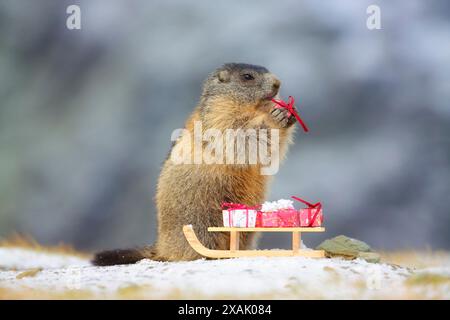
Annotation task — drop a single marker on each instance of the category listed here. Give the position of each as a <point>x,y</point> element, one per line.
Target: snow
<point>292,277</point>
<point>270,206</point>
<point>22,259</point>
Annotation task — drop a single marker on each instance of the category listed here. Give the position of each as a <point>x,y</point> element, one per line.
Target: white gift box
<point>241,218</point>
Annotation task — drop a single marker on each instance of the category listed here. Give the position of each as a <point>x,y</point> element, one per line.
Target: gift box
<point>278,214</point>
<point>278,219</point>
<point>239,215</point>
<point>289,106</point>
<point>312,216</point>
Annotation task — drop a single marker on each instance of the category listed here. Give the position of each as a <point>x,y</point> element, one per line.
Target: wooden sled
<point>234,251</point>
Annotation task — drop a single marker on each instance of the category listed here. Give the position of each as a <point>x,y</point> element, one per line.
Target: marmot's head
<point>243,83</point>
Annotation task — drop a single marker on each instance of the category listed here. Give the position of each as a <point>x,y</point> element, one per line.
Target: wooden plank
<point>297,229</point>
<point>202,250</point>
<point>296,241</point>
<point>234,240</point>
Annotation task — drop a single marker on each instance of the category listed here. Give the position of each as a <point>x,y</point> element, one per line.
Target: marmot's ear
<point>224,76</point>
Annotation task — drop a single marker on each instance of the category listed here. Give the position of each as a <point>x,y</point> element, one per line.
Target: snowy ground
<point>26,273</point>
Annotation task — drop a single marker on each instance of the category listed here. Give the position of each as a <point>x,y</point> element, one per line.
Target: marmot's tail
<point>123,256</point>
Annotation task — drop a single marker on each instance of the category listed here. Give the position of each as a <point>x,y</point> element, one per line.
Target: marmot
<point>234,96</point>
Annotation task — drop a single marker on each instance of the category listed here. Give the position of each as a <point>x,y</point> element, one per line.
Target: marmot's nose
<point>276,83</point>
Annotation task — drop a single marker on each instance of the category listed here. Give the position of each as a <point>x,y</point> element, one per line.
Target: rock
<point>372,257</point>
<point>349,248</point>
<point>333,249</point>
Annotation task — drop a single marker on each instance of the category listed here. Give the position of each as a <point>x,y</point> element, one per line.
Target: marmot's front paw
<point>282,117</point>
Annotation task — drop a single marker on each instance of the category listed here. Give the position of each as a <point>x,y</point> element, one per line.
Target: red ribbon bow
<point>236,206</point>
<point>317,206</point>
<point>291,111</point>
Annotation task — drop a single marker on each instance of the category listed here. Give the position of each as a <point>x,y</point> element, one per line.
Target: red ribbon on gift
<point>238,206</point>
<point>317,206</point>
<point>291,110</point>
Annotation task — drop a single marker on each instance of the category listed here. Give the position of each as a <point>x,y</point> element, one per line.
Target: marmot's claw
<point>282,117</point>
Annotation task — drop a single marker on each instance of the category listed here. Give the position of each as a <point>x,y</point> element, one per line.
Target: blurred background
<point>86,115</point>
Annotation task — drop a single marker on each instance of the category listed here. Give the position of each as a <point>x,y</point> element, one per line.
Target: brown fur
<point>193,193</point>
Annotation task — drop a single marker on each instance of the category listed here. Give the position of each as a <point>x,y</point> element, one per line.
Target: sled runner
<point>234,251</point>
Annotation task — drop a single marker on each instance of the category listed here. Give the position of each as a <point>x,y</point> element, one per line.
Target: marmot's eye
<point>247,76</point>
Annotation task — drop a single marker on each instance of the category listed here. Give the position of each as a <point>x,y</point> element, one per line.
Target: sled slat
<point>296,229</point>
<point>296,241</point>
<point>234,240</point>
